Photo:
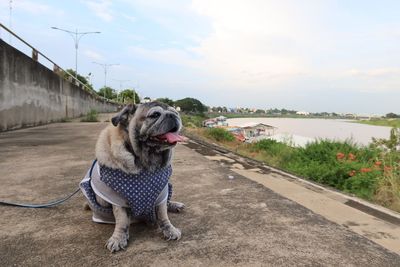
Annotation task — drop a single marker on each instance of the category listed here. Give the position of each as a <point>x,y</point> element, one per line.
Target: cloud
<point>31,7</point>
<point>371,80</point>
<point>93,55</point>
<point>377,72</point>
<point>129,17</point>
<point>102,9</point>
<point>167,56</point>
<point>248,49</point>
<point>257,44</point>
<point>271,45</point>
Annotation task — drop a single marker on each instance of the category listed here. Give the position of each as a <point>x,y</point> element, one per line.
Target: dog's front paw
<point>176,207</point>
<point>171,233</point>
<point>117,242</point>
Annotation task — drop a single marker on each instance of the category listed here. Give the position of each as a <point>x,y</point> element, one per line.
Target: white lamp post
<point>105,66</point>
<point>77,37</point>
<point>120,85</point>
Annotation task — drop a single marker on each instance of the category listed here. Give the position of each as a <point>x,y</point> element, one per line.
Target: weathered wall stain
<point>31,94</point>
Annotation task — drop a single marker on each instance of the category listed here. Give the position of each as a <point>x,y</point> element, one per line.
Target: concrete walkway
<point>228,221</point>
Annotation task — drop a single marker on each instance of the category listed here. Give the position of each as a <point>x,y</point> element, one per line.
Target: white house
<point>215,122</point>
<point>304,113</point>
<point>252,130</point>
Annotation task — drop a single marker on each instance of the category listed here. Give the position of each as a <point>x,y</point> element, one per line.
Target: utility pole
<point>120,86</point>
<point>10,22</point>
<point>135,92</point>
<point>77,37</point>
<point>105,66</point>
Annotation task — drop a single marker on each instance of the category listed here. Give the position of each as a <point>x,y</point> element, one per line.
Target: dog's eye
<point>155,115</point>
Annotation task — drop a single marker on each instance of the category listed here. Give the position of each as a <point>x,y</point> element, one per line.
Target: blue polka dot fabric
<point>91,196</point>
<point>140,190</point>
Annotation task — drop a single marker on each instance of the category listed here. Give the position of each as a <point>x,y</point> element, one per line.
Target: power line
<point>10,21</point>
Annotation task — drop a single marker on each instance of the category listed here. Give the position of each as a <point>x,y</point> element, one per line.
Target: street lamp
<point>120,85</point>
<point>105,66</point>
<point>77,37</point>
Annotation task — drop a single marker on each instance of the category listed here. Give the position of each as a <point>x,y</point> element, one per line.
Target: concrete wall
<point>31,94</point>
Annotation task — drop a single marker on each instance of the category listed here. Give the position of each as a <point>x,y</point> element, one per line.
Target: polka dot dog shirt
<point>140,192</point>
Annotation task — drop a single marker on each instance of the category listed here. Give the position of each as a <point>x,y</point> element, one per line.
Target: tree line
<point>188,104</point>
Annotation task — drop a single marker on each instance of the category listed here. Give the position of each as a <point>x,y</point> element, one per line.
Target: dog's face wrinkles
<point>152,123</point>
<point>151,129</point>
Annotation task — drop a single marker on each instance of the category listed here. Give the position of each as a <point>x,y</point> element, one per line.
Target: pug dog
<point>129,180</point>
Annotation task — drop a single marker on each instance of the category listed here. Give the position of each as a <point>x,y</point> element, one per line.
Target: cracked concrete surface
<point>227,222</point>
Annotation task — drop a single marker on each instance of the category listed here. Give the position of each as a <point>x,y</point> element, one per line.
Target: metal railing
<point>57,69</point>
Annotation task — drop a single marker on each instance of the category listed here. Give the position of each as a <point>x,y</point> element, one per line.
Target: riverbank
<point>365,172</point>
<point>376,122</point>
<point>381,122</point>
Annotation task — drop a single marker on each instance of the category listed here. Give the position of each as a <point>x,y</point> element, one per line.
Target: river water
<point>311,129</point>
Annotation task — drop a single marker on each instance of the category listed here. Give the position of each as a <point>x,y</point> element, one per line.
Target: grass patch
<point>193,120</point>
<point>371,173</point>
<point>220,135</point>
<point>382,122</point>
<point>388,190</point>
<point>91,116</point>
<point>63,120</point>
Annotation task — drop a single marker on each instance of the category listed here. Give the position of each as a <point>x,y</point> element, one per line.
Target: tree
<point>129,96</point>
<point>166,100</point>
<point>107,92</point>
<point>392,115</point>
<point>392,143</point>
<point>192,105</point>
<point>81,78</point>
<point>260,111</point>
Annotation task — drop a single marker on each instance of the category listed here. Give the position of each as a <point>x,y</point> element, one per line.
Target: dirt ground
<point>227,221</point>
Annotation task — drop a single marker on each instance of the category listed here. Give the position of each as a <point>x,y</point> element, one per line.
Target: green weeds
<point>371,173</point>
<point>91,116</point>
<point>220,135</point>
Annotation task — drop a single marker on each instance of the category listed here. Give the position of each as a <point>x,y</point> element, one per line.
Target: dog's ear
<point>123,116</point>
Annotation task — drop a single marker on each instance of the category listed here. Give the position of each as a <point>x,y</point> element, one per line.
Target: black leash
<point>46,205</point>
<point>50,204</point>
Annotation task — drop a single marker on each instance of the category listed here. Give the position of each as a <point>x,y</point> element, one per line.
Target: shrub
<point>363,184</point>
<point>270,146</point>
<point>91,116</point>
<point>372,173</point>
<point>192,120</point>
<point>388,190</point>
<point>325,150</point>
<point>220,134</point>
<point>274,152</point>
<point>65,120</point>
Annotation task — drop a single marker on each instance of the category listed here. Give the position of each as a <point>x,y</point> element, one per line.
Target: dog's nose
<point>170,115</point>
<point>173,121</point>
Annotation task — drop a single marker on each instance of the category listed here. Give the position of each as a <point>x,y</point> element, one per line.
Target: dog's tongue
<point>172,137</point>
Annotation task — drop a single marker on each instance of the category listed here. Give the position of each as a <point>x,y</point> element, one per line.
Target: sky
<point>311,55</point>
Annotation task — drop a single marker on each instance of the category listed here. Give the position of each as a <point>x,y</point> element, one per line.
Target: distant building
<point>215,122</point>
<point>349,115</point>
<point>210,123</point>
<point>146,99</point>
<point>252,130</point>
<point>303,113</point>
